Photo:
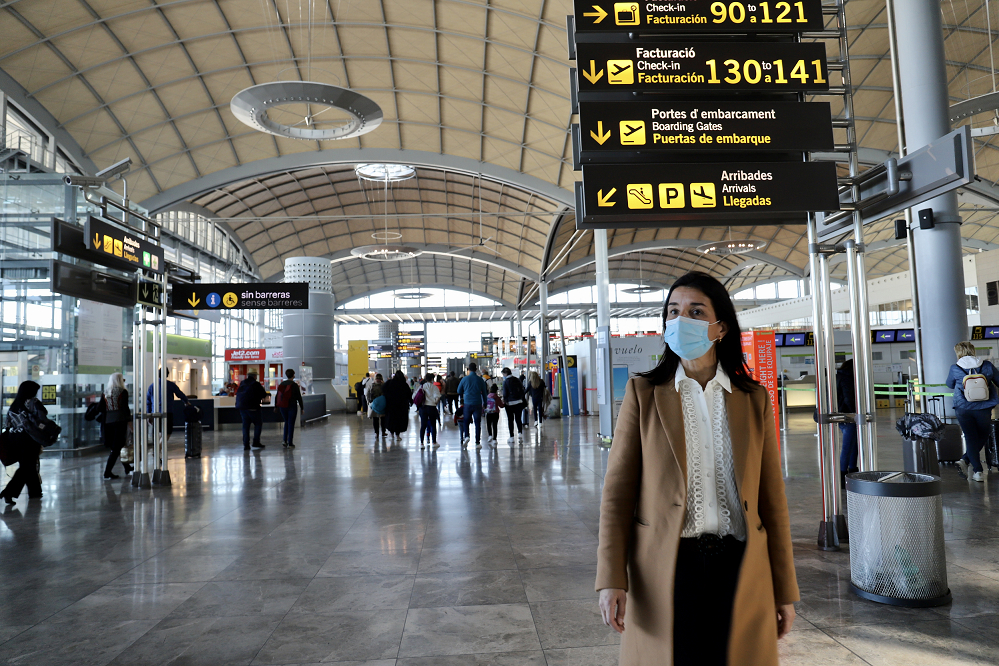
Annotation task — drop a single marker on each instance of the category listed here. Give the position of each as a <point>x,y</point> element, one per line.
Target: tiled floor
<point>348,551</point>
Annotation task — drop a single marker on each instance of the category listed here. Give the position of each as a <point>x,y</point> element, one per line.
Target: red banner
<point>238,355</point>
<point>759,350</point>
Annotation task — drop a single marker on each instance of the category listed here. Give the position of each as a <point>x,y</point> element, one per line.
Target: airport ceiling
<point>475,95</point>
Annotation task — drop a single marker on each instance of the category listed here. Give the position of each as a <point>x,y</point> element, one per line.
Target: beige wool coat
<point>642,514</point>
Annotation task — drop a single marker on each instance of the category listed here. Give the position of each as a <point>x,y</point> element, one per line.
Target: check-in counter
<point>800,393</point>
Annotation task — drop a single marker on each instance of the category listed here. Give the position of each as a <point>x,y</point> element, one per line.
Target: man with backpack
<point>287,401</point>
<point>515,399</point>
<point>361,391</point>
<point>973,381</point>
<point>249,396</point>
<point>451,392</point>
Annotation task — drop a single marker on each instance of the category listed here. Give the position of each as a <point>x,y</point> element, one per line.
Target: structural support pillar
<point>543,334</point>
<point>925,102</point>
<point>605,363</point>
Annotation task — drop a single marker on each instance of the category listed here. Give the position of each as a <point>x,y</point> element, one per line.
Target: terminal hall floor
<point>347,550</point>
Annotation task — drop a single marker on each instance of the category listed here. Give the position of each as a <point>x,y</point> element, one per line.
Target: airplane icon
<point>621,72</point>
<point>618,69</point>
<point>632,132</point>
<point>702,195</point>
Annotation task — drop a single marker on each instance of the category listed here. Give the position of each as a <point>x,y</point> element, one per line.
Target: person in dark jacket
<point>289,399</point>
<point>398,399</point>
<point>117,422</point>
<point>974,417</point>
<point>451,392</point>
<point>24,411</point>
<point>248,399</point>
<point>473,393</point>
<point>846,396</point>
<point>376,390</point>
<point>172,391</point>
<point>537,390</point>
<point>515,400</point>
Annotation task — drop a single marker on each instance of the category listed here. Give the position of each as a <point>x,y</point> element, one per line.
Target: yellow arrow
<point>593,75</point>
<point>97,240</point>
<point>599,135</point>
<point>193,300</point>
<point>600,14</point>
<point>604,201</point>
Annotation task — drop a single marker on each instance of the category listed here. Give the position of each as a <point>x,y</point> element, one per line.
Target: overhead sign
<point>685,66</point>
<point>697,16</point>
<point>985,333</point>
<point>667,126</point>
<point>243,355</point>
<point>149,293</point>
<point>123,248</point>
<point>879,337</point>
<point>259,296</point>
<point>676,194</point>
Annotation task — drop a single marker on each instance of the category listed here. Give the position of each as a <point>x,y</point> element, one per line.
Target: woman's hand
<point>612,603</point>
<point>785,618</point>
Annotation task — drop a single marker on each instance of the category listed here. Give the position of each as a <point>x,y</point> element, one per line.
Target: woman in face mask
<point>694,561</point>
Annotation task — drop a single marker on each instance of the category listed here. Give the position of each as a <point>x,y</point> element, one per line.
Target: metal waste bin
<point>897,538</point>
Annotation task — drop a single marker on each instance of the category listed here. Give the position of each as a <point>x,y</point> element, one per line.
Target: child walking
<point>494,403</point>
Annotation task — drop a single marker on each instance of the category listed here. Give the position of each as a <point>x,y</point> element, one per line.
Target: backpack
<point>376,390</point>
<point>283,398</point>
<point>491,407</point>
<point>358,388</point>
<point>975,387</point>
<point>419,398</point>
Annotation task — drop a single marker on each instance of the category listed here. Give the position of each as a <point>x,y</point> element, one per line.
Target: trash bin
<point>897,539</point>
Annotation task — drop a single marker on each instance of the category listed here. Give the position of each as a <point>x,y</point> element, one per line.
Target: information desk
<point>221,410</point>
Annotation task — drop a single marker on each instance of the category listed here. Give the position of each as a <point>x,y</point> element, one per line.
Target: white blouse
<point>712,495</point>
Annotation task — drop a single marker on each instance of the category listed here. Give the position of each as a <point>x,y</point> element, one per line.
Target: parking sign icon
<point>671,195</point>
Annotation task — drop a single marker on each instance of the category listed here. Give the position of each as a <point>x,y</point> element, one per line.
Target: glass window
<point>766,291</point>
<point>787,289</point>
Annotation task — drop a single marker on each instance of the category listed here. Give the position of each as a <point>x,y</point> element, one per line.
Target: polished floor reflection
<point>347,550</point>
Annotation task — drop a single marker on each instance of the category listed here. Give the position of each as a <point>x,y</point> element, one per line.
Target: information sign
<point>666,126</point>
<point>684,66</point>
<point>882,336</point>
<point>985,333</point>
<point>50,394</point>
<point>905,335</point>
<point>149,293</point>
<point>258,296</point>
<point>697,16</point>
<point>669,194</point>
<point>123,248</point>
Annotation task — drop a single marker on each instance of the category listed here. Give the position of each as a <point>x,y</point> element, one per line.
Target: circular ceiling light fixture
<point>386,236</point>
<point>412,295</point>
<point>382,173</point>
<point>643,289</point>
<point>251,106</point>
<point>386,252</point>
<point>725,247</point>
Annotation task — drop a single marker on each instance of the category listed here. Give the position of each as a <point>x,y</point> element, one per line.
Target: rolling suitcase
<point>950,448</point>
<point>192,433</point>
<point>992,448</point>
<point>919,456</point>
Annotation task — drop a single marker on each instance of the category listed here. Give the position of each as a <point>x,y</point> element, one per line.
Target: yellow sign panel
<point>626,13</point>
<point>621,72</point>
<point>230,300</point>
<point>640,196</point>
<point>632,132</point>
<point>702,195</point>
<point>118,247</point>
<point>671,195</point>
<point>109,245</point>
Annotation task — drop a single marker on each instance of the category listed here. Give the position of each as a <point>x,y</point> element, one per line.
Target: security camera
<point>84,181</point>
<point>115,169</point>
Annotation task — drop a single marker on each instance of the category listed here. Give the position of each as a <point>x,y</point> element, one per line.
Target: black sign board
<point>115,247</point>
<point>985,332</point>
<point>697,16</point>
<point>50,394</point>
<point>678,194</point>
<point>688,66</point>
<point>667,126</point>
<point>259,296</point>
<point>149,293</point>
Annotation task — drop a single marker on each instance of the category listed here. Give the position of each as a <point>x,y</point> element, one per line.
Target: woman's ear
<point>722,331</point>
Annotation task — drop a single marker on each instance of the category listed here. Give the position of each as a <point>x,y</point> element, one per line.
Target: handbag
<point>8,449</point>
<point>96,411</point>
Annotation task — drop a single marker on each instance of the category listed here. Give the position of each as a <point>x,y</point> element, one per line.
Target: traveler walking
<point>377,411</point>
<point>698,553</point>
<point>362,394</point>
<point>451,392</point>
<point>525,415</point>
<point>846,396</point>
<point>398,398</point>
<point>117,422</point>
<point>25,417</point>
<point>249,397</point>
<point>426,399</point>
<point>514,399</point>
<point>172,390</point>
<point>494,403</point>
<point>287,401</point>
<point>439,383</point>
<point>973,381</point>
<point>539,397</point>
<point>472,392</point>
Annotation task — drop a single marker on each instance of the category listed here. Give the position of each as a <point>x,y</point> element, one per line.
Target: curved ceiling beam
<point>679,243</point>
<point>219,179</point>
<point>435,285</point>
<point>41,116</point>
<point>478,257</point>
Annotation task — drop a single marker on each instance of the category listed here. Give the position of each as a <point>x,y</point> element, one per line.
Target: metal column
<point>543,334</point>
<point>605,358</point>
<point>924,93</point>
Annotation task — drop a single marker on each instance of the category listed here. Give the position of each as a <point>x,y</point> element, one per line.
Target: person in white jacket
<point>428,411</point>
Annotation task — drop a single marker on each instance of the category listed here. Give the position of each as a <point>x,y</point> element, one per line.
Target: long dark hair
<point>25,392</point>
<point>728,349</point>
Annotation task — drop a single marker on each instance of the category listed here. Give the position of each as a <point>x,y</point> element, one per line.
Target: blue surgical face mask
<point>688,338</point>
